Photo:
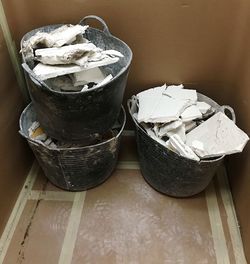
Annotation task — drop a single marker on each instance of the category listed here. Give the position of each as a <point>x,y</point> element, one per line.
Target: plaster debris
<point>66,52</point>
<point>184,150</point>
<point>191,113</point>
<point>84,77</point>
<point>219,135</point>
<point>85,55</point>
<point>152,106</point>
<point>173,117</point>
<point>178,92</point>
<point>180,131</point>
<point>44,72</point>
<point>105,81</point>
<point>190,125</point>
<point>203,107</point>
<point>163,130</point>
<point>64,55</point>
<point>65,34</point>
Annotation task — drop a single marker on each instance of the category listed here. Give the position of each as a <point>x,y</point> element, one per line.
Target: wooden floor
<point>122,221</point>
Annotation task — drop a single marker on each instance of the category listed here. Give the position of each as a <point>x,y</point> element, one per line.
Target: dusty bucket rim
<point>27,108</point>
<point>42,84</point>
<point>129,105</point>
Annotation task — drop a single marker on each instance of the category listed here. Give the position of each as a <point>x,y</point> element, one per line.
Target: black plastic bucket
<point>168,172</point>
<point>77,116</point>
<point>78,168</point>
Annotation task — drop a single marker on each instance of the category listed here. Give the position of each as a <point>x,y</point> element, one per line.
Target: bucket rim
<point>37,143</point>
<point>123,70</point>
<point>144,132</point>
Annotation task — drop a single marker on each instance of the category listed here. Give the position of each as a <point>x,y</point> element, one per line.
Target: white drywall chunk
<point>203,107</point>
<point>64,55</point>
<point>154,107</point>
<point>184,150</point>
<point>84,88</point>
<point>181,93</point>
<point>151,133</point>
<point>175,87</point>
<point>219,136</point>
<point>84,77</point>
<point>105,81</point>
<point>45,72</point>
<point>192,112</point>
<point>98,63</point>
<point>198,148</point>
<point>86,55</point>
<point>65,34</point>
<point>148,100</point>
<point>168,127</point>
<point>180,131</point>
<point>114,53</point>
<point>189,125</point>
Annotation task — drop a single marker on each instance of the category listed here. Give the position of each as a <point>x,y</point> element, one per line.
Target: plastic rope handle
<point>105,27</point>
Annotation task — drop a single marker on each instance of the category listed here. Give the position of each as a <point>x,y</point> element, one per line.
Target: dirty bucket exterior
<point>168,172</point>
<point>78,116</point>
<point>74,169</point>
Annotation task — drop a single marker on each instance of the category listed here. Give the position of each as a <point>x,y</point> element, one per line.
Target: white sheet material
<point>179,93</point>
<point>105,81</point>
<point>203,107</point>
<point>45,72</point>
<point>65,55</point>
<point>155,107</point>
<point>176,142</point>
<point>84,77</point>
<point>192,112</point>
<point>168,127</point>
<point>219,136</point>
<point>63,35</point>
<point>180,131</point>
<point>189,125</point>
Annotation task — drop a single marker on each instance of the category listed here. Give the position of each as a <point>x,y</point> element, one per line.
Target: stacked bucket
<point>76,118</point>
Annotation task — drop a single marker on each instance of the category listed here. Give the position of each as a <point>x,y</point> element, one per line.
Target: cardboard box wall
<point>203,44</point>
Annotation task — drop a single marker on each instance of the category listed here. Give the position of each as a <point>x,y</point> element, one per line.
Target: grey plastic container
<point>168,172</point>
<point>79,116</point>
<point>78,168</point>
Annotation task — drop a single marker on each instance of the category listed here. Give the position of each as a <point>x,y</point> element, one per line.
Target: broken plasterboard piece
<point>184,150</point>
<point>113,53</point>
<point>219,135</point>
<point>198,148</point>
<point>181,93</point>
<point>151,133</point>
<point>168,127</point>
<point>180,131</point>
<point>203,107</point>
<point>45,72</point>
<point>94,75</point>
<point>64,55</point>
<point>189,125</point>
<point>192,112</point>
<point>65,34</point>
<point>104,81</point>
<point>157,108</point>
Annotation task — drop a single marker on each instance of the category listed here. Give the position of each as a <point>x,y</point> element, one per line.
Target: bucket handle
<point>105,27</point>
<point>226,109</point>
